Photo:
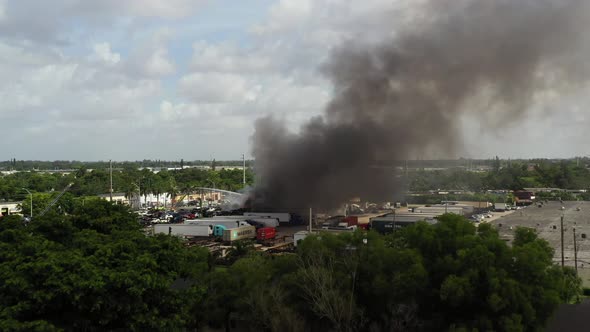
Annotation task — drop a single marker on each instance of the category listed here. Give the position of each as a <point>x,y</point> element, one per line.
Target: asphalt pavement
<point>546,220</point>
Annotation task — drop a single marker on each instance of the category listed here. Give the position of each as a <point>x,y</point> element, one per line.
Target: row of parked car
<point>150,217</point>
<point>481,216</point>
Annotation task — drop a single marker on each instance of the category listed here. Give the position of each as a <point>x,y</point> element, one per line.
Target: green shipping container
<point>239,233</point>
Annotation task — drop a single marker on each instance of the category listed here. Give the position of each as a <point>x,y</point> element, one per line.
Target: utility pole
<point>31,216</point>
<point>562,256</point>
<point>244,168</point>
<point>406,167</point>
<point>575,251</point>
<point>310,219</point>
<point>111,177</point>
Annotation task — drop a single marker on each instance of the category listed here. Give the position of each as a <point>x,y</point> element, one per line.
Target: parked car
<point>477,217</point>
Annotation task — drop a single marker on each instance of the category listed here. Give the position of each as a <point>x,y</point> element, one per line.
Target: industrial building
<point>8,208</point>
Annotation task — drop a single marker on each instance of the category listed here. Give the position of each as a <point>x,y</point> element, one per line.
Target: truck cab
<point>218,230</point>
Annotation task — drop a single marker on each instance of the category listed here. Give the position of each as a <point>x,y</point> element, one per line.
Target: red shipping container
<point>266,233</point>
<point>351,220</point>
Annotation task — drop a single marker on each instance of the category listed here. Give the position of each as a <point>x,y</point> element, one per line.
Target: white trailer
<point>281,216</point>
<point>439,210</point>
<point>500,207</point>
<point>229,223</point>
<point>266,221</point>
<point>184,230</point>
<point>227,217</point>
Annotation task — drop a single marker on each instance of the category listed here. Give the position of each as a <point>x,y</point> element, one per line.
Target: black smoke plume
<point>405,96</point>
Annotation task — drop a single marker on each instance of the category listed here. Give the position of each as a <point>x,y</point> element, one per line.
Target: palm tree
<point>130,188</point>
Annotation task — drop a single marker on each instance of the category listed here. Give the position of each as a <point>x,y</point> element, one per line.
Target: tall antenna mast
<point>111,177</point>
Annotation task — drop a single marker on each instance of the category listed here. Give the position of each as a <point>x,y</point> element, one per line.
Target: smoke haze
<point>404,97</point>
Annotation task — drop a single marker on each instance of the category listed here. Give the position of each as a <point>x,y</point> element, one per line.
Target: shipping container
<point>405,217</point>
<point>351,220</point>
<point>338,220</point>
<point>332,221</point>
<point>239,233</point>
<point>266,233</point>
<point>389,222</point>
<point>184,230</point>
<point>386,226</point>
<point>219,229</point>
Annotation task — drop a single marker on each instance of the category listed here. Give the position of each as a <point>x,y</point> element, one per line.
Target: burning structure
<point>402,96</point>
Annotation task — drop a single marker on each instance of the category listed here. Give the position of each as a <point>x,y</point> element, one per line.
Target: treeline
<point>514,176</point>
<point>128,180</point>
<point>475,197</point>
<point>28,165</point>
<point>95,270</point>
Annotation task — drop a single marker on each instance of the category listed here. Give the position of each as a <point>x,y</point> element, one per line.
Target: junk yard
<point>219,228</point>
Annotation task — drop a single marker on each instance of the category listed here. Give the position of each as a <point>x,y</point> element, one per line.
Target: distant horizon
<point>218,161</point>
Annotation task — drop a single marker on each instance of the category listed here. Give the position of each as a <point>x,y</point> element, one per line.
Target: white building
<point>8,208</point>
<point>120,198</point>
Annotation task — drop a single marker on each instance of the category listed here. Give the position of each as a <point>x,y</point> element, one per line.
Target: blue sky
<point>171,79</point>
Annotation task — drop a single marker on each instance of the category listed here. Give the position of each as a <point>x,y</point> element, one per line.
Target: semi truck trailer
<point>229,223</point>
<point>184,230</point>
<point>264,221</point>
<point>282,217</point>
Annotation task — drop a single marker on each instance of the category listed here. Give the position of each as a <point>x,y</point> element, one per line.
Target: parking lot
<point>546,220</point>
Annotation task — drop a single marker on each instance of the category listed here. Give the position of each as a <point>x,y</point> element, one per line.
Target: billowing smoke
<point>404,97</point>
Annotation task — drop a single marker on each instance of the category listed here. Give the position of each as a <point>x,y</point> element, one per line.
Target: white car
<point>477,217</point>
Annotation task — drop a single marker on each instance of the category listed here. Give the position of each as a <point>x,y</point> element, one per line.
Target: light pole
<point>213,188</point>
<point>575,251</point>
<point>27,190</point>
<point>111,178</point>
<point>562,254</point>
<point>244,168</point>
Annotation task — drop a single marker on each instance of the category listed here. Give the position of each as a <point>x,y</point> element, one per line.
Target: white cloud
<point>251,96</point>
<point>150,58</point>
<point>155,8</point>
<point>2,10</point>
<point>52,21</point>
<point>117,79</point>
<point>103,52</point>
<point>47,90</point>
<point>216,88</point>
<point>226,57</point>
<point>289,14</point>
<point>158,63</point>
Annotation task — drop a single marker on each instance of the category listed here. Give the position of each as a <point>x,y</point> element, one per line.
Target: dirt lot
<point>546,220</point>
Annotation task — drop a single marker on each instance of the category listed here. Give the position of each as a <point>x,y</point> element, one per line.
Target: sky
<point>172,79</point>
